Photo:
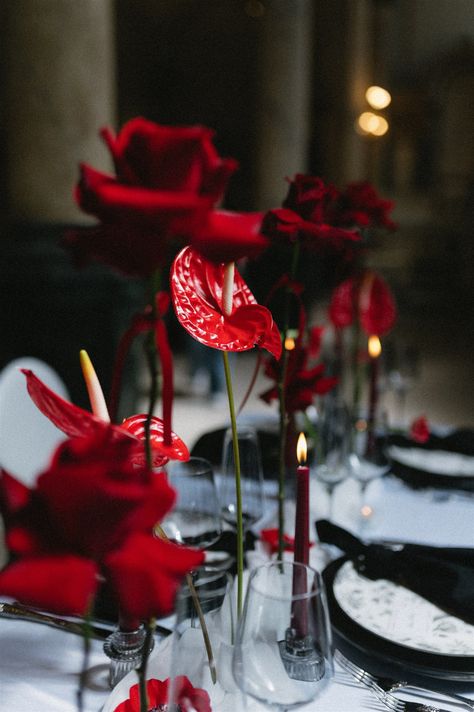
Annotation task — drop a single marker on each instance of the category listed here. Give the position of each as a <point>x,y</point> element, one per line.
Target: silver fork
<point>383,688</point>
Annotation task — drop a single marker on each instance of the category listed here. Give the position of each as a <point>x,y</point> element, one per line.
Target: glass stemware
<point>195,519</point>
<point>216,617</point>
<point>367,464</point>
<point>332,447</point>
<point>251,478</point>
<point>283,650</point>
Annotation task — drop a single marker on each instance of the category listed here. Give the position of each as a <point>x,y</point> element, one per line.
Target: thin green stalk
<point>282,407</point>
<point>238,488</point>
<point>152,360</point>
<point>141,670</point>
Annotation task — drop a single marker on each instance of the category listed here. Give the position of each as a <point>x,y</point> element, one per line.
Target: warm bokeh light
<point>374,346</point>
<point>378,97</point>
<point>370,123</point>
<point>381,128</point>
<point>301,449</point>
<point>289,343</point>
<point>366,511</point>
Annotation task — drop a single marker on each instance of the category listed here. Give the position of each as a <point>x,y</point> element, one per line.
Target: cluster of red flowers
<point>168,182</point>
<point>91,514</point>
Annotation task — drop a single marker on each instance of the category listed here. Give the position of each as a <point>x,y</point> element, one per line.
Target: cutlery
<point>77,626</point>
<point>383,688</point>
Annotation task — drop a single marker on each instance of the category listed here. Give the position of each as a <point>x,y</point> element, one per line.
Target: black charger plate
<point>459,441</point>
<point>422,662</point>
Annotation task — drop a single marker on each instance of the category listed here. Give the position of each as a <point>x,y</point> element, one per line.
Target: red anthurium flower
<point>360,205</point>
<point>189,698</point>
<point>420,430</point>
<point>376,310</point>
<point>196,286</point>
<point>76,422</point>
<point>302,382</point>
<point>90,510</point>
<point>167,180</point>
<point>306,216</point>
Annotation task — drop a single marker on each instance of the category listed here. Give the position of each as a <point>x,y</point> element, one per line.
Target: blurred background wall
<point>283,84</point>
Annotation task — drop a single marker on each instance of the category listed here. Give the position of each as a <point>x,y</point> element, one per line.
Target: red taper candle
<point>374,349</point>
<point>299,613</point>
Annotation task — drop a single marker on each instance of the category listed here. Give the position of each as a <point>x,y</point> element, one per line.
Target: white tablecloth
<point>39,666</point>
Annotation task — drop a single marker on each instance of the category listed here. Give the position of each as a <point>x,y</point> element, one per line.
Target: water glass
<point>283,650</point>
<point>203,636</point>
<point>331,464</point>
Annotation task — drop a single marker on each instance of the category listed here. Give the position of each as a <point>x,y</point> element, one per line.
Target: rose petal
<point>61,584</point>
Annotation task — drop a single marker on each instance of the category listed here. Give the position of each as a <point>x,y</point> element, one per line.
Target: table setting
<point>317,559</point>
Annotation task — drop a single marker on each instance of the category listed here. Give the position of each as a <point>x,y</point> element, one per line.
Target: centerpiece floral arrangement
<point>92,520</point>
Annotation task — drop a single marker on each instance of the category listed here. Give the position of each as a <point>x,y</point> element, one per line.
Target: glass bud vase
<point>125,650</point>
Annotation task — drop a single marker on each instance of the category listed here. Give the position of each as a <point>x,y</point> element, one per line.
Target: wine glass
<point>201,648</point>
<point>403,371</point>
<point>332,446</point>
<point>195,519</point>
<point>251,478</point>
<point>283,650</point>
<point>366,464</point>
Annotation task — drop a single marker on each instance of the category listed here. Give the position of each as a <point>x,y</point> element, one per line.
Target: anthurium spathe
<point>366,297</point>
<point>197,290</point>
<point>188,698</point>
<point>91,505</point>
<point>77,422</point>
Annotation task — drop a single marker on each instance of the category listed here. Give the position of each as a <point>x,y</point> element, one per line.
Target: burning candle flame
<point>374,346</point>
<point>301,449</point>
<point>289,343</point>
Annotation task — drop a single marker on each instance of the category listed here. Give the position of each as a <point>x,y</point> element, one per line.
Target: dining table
<point>40,666</point>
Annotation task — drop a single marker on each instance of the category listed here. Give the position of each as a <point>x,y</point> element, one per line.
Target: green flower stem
<point>141,670</point>
<point>159,531</point>
<point>152,360</point>
<point>238,488</point>
<point>282,406</point>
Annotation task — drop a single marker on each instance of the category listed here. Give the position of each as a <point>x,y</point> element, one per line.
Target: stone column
<point>59,89</point>
<point>284,96</point>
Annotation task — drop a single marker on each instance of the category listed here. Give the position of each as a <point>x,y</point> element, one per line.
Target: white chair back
<point>27,437</point>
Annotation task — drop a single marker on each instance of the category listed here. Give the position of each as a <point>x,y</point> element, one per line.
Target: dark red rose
<point>302,382</point>
<point>92,513</point>
<point>306,216</point>
<point>167,180</point>
<point>65,584</point>
<point>146,573</point>
<point>359,205</point>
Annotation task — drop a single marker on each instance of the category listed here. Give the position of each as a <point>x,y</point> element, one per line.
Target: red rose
<point>167,180</point>
<point>359,205</point>
<point>92,514</point>
<point>306,216</point>
<point>302,382</point>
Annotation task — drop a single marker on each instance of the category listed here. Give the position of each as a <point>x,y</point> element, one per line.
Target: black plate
<point>459,441</point>
<point>351,633</point>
